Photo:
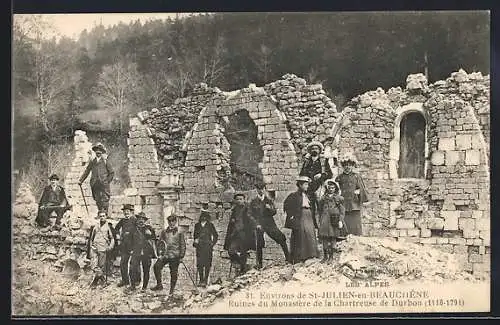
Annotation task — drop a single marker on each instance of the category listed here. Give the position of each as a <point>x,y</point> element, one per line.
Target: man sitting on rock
<point>53,200</point>
<point>101,242</point>
<point>142,252</point>
<point>240,235</point>
<point>175,249</point>
<point>126,228</point>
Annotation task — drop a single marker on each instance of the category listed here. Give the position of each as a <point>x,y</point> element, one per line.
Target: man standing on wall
<point>240,235</point>
<point>353,190</point>
<point>175,249</point>
<point>100,180</point>
<point>318,170</point>
<point>126,229</point>
<point>262,212</point>
<point>53,199</point>
<point>142,252</point>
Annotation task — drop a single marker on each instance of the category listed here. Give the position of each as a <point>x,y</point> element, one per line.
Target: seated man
<point>53,200</point>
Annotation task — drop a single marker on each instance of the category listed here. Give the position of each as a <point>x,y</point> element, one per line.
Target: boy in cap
<point>126,228</point>
<point>142,252</point>
<point>262,211</point>
<point>354,193</point>
<point>318,170</point>
<point>101,242</point>
<point>174,252</point>
<point>100,180</point>
<point>205,237</point>
<point>53,200</point>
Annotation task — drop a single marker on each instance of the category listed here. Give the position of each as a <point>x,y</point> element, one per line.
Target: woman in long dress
<point>331,218</point>
<point>299,218</point>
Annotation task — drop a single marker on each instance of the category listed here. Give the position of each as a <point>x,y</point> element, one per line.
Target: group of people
<point>329,206</point>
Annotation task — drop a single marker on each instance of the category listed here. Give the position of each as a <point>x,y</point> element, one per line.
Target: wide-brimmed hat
<point>303,179</point>
<point>99,147</point>
<point>348,157</point>
<point>141,215</point>
<point>172,217</point>
<point>332,181</point>
<point>53,176</point>
<point>315,143</point>
<point>128,207</point>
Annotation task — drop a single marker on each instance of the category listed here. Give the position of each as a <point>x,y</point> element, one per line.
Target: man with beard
<point>142,252</point>
<point>100,180</point>
<point>126,228</point>
<point>240,236</point>
<point>318,170</point>
<point>262,211</point>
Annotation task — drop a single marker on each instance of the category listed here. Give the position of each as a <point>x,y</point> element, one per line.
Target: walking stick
<point>189,274</point>
<point>84,201</point>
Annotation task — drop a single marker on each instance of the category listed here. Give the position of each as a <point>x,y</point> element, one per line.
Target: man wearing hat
<point>100,180</point>
<point>142,252</point>
<point>53,199</point>
<point>126,228</point>
<point>173,254</point>
<point>205,236</point>
<point>262,211</point>
<point>101,242</point>
<point>299,218</point>
<point>318,170</point>
<point>354,193</point>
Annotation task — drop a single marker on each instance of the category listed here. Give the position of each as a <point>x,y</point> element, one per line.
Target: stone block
<point>450,219</point>
<point>463,141</point>
<point>457,241</point>
<point>466,223</point>
<point>477,214</point>
<point>425,233</point>
<point>435,223</point>
<point>413,232</point>
<point>460,249</point>
<point>472,157</point>
<point>430,240</point>
<point>437,158</point>
<point>446,144</point>
<point>452,157</point>
<point>440,240</point>
<point>470,235</point>
<point>477,143</point>
<point>483,224</point>
<point>405,223</point>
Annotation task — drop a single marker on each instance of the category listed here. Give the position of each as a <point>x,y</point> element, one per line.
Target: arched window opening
<point>412,146</point>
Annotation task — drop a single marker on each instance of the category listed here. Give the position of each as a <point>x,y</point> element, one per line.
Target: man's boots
<point>325,255</point>
<point>330,255</point>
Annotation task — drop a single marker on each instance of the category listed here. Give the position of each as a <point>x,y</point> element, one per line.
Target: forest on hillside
<point>96,81</point>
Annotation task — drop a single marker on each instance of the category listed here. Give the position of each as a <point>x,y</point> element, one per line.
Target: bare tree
<point>116,87</point>
<point>214,65</point>
<point>262,61</point>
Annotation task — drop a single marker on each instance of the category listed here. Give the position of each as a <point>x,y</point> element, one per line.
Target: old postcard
<point>251,163</point>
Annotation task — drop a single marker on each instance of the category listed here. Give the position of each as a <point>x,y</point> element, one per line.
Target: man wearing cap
<point>101,242</point>
<point>100,180</point>
<point>318,170</point>
<point>126,229</point>
<point>299,218</point>
<point>205,236</point>
<point>262,211</point>
<point>142,252</point>
<point>354,193</point>
<point>173,254</point>
<point>53,199</point>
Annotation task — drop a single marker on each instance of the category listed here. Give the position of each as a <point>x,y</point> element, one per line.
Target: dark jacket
<point>311,168</point>
<point>240,232</point>
<point>348,184</point>
<point>262,215</point>
<point>143,242</point>
<point>126,229</point>
<point>293,210</point>
<point>207,236</point>
<point>176,244</point>
<point>53,198</point>
<point>102,172</point>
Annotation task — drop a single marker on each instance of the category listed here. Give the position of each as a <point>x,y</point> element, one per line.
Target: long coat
<point>293,210</point>
<point>142,241</point>
<point>262,215</point>
<point>51,197</point>
<point>313,167</point>
<point>240,234</point>
<point>102,174</point>
<point>207,237</point>
<point>348,184</point>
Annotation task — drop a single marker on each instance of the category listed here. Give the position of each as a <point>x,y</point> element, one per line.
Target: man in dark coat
<point>317,168</point>
<point>354,193</point>
<point>126,229</point>
<point>205,237</point>
<point>240,235</point>
<point>142,252</point>
<point>262,211</point>
<point>100,180</point>
<point>53,199</point>
<point>175,250</point>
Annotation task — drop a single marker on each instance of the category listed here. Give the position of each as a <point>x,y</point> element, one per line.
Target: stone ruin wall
<point>450,207</point>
